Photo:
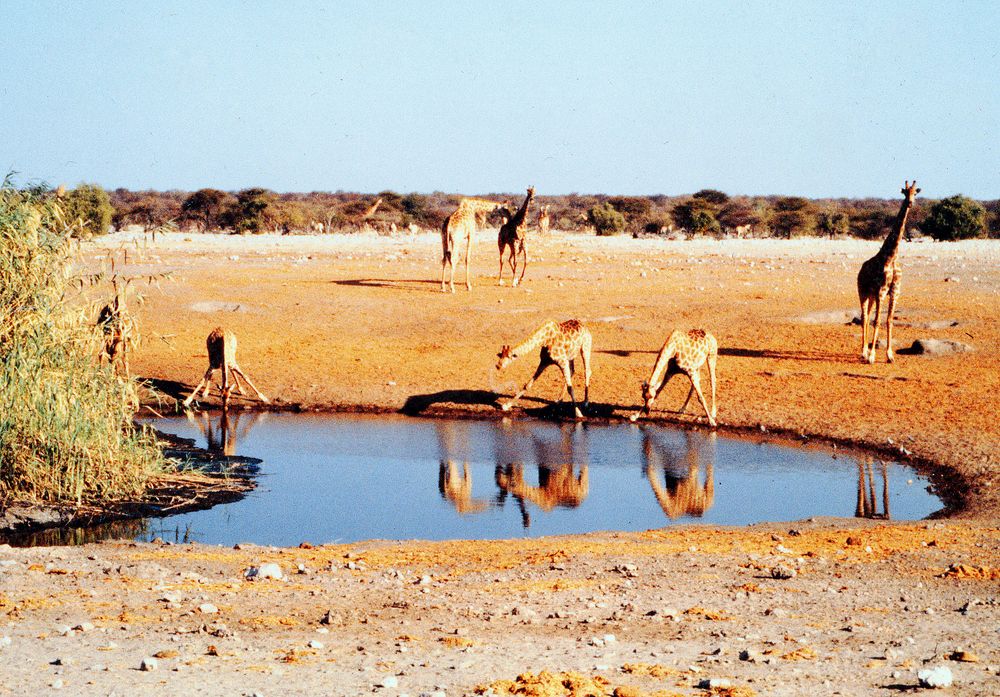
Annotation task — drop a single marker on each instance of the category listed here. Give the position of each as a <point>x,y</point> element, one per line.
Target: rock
<point>936,347</point>
<point>715,684</point>
<point>783,572</point>
<point>751,655</point>
<point>149,664</point>
<point>935,677</point>
<point>5,641</point>
<point>84,627</point>
<point>609,638</point>
<point>259,573</point>
<point>390,682</point>
<point>57,684</point>
<point>315,644</point>
<point>207,609</point>
<point>963,657</point>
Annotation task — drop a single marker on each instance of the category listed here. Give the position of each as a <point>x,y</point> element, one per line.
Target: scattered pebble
<point>935,677</point>
<point>207,609</point>
<point>149,664</point>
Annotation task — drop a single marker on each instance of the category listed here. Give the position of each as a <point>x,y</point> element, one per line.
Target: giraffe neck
<point>477,204</point>
<point>891,244</point>
<point>519,216</point>
<point>666,354</point>
<point>534,341</point>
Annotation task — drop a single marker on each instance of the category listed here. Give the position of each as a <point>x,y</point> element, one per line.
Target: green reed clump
<point>66,429</point>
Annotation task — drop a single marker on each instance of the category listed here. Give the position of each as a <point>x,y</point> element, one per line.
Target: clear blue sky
<point>808,98</point>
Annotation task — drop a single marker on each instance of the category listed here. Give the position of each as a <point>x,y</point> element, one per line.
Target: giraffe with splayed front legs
<point>512,237</point>
<point>221,345</point>
<point>683,352</point>
<point>879,277</point>
<point>462,224</point>
<point>560,344</point>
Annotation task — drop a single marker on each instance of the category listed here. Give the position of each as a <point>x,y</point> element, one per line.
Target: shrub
<point>87,210</point>
<point>955,218</point>
<point>251,212</point>
<point>206,208</point>
<point>606,220</point>
<point>704,223</point>
<point>66,431</point>
<point>712,196</point>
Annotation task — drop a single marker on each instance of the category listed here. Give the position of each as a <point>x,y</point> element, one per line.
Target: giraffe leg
<point>542,365</point>
<point>207,378</point>
<point>236,379</point>
<point>878,311</point>
<point>500,275</point>
<point>513,265</point>
<point>585,356</point>
<point>711,375</point>
<point>889,355</point>
<point>468,253</point>
<point>865,309</point>
<point>524,263</point>
<point>260,395</point>
<point>568,375</point>
<point>696,383</point>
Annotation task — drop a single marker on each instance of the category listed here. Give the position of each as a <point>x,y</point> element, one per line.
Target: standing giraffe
<point>560,344</point>
<point>462,223</point>
<point>683,352</point>
<point>880,276</point>
<point>512,235</point>
<point>543,220</point>
<point>221,345</point>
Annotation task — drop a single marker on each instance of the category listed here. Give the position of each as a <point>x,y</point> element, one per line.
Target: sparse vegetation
<point>87,210</point>
<point>66,431</point>
<point>706,212</point>
<point>606,220</point>
<point>955,218</point>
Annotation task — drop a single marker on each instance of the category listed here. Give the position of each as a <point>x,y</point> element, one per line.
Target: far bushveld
<point>708,212</point>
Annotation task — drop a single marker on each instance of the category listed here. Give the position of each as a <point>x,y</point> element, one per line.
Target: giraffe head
<point>648,395</point>
<point>909,190</point>
<point>531,191</point>
<point>505,357</point>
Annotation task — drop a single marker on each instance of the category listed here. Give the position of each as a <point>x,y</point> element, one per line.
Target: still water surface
<point>330,478</point>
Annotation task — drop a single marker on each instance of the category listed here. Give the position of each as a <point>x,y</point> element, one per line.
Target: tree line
<point>707,212</point>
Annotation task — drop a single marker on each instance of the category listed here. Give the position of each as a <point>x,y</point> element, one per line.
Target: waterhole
<point>344,478</point>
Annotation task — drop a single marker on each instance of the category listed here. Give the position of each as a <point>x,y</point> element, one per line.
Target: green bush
<point>66,430</point>
<point>704,223</point>
<point>606,220</point>
<point>955,218</point>
<point>87,210</point>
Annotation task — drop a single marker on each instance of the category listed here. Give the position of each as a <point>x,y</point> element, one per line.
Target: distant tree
<point>833,223</point>
<point>391,200</point>
<point>252,210</point>
<point>716,198</point>
<point>955,218</point>
<point>632,206</point>
<point>606,220</point>
<point>737,213</point>
<point>688,214</point>
<point>993,218</point>
<point>870,223</point>
<point>703,222</point>
<point>206,208</point>
<point>793,215</point>
<point>657,223</point>
<point>87,208</point>
<point>414,205</point>
<point>152,211</point>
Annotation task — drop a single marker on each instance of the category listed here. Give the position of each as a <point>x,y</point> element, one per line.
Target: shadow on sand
<point>415,285</point>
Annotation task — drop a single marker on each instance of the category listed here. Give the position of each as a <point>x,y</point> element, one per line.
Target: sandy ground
<point>358,321</point>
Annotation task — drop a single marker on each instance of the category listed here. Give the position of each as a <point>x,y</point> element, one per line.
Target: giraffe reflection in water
<point>563,477</point>
<point>681,491</point>
<point>867,508</point>
<point>561,480</point>
<point>455,486</point>
<point>225,430</point>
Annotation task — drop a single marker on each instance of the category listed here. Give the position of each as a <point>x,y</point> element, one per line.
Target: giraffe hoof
<point>890,358</point>
<point>505,407</point>
<point>634,417</point>
<point>500,283</point>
